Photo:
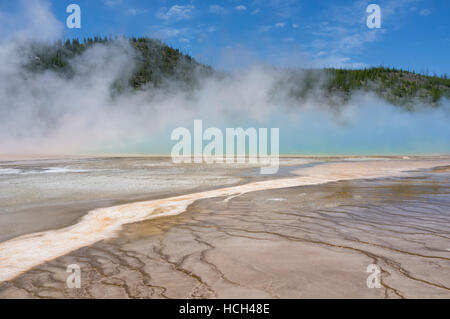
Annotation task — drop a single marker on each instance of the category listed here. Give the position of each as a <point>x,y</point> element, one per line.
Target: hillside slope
<point>157,63</point>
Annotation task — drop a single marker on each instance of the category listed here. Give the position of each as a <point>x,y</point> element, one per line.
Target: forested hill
<point>394,85</point>
<point>157,63</point>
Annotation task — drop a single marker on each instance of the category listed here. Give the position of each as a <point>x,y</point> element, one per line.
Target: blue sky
<point>230,34</point>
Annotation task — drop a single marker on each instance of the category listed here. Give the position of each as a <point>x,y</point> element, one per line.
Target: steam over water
<point>46,113</point>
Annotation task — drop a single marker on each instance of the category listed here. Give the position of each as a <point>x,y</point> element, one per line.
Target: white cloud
<point>176,12</point>
<point>240,8</point>
<point>34,20</point>
<point>166,33</point>
<point>266,28</point>
<point>285,9</point>
<point>345,32</point>
<point>425,12</point>
<point>216,9</point>
<point>134,12</point>
<point>278,25</point>
<point>193,34</point>
<point>256,11</point>
<point>325,61</point>
<point>295,26</point>
<point>112,3</point>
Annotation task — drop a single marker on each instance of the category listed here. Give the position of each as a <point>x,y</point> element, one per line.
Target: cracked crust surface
<point>298,242</point>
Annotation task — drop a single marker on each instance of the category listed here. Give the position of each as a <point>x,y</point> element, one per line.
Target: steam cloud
<point>45,113</point>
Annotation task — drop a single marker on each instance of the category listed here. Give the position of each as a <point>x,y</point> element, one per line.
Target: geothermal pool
<point>137,222</point>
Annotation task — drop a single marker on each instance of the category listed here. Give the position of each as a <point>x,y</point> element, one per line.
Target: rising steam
<point>46,113</point>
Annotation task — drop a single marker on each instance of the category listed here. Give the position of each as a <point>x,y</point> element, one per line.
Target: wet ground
<point>298,242</point>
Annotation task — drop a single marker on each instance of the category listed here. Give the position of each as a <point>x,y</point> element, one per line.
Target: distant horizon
<point>32,157</point>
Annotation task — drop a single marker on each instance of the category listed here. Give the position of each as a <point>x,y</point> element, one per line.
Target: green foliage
<point>397,86</point>
<point>156,63</point>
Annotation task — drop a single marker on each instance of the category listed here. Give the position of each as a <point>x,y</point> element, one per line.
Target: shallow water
<point>311,242</point>
<point>39,195</point>
<point>430,185</point>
